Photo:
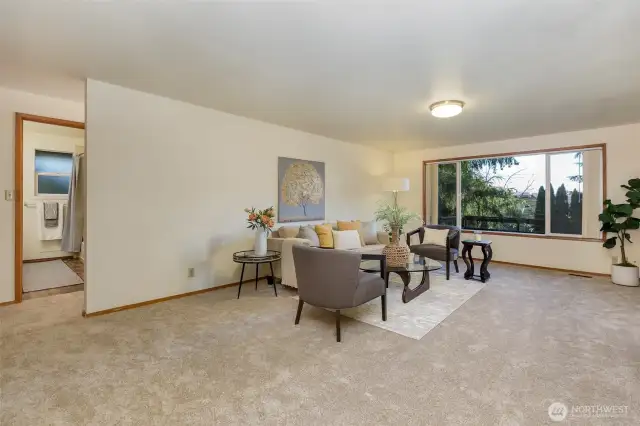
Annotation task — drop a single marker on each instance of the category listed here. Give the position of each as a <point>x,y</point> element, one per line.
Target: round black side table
<point>487,254</point>
<point>249,257</point>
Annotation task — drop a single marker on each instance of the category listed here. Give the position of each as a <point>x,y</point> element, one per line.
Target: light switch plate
<point>9,195</point>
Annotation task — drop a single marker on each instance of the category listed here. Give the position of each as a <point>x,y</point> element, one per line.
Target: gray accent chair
<point>447,253</point>
<point>332,279</point>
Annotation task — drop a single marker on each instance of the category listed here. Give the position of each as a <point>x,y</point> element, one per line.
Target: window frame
<point>547,152</point>
<point>36,174</point>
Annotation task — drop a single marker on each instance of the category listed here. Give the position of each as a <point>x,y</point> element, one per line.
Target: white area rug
<point>45,275</point>
<point>421,315</point>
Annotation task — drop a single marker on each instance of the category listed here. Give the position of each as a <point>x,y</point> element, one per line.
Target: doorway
<point>48,152</point>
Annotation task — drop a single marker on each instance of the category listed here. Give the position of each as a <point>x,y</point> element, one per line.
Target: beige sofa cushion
<point>309,233</point>
<point>288,231</point>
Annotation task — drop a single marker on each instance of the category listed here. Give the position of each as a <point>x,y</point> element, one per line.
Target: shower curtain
<point>73,228</point>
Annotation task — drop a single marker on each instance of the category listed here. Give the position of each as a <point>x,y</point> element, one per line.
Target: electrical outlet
<point>191,272</point>
<point>9,195</point>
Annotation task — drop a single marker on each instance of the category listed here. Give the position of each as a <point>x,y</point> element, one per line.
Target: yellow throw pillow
<point>325,235</point>
<point>351,226</point>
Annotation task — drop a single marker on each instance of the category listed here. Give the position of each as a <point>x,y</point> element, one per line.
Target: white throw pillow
<point>346,240</point>
<point>435,236</point>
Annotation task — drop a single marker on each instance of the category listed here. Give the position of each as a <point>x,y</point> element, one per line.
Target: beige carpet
<point>421,315</point>
<point>45,275</point>
<point>526,340</point>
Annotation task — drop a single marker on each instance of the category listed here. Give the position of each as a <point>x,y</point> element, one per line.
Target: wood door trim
<point>526,152</point>
<point>18,195</point>
<point>47,259</point>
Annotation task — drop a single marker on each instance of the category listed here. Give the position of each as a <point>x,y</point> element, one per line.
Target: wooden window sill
<point>547,237</point>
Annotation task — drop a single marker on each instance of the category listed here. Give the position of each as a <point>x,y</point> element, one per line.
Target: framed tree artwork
<point>300,190</point>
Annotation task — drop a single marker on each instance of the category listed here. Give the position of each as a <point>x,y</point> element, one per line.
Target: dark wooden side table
<point>487,253</point>
<point>249,257</point>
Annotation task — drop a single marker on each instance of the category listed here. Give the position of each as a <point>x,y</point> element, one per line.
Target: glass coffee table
<point>416,265</point>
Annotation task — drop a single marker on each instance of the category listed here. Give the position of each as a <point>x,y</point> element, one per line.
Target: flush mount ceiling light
<point>446,109</point>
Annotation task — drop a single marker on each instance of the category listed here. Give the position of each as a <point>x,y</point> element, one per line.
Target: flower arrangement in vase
<point>261,221</point>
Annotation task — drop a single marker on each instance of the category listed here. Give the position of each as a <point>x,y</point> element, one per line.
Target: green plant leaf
<point>634,183</point>
<point>621,210</point>
<point>617,227</point>
<point>628,237</point>
<point>632,223</point>
<point>606,217</point>
<point>610,243</point>
<point>606,227</point>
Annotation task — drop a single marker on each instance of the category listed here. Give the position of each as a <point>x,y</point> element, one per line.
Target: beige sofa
<point>285,270</point>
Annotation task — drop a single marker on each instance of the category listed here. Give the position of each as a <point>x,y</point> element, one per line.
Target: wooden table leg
<point>241,276</point>
<point>257,266</point>
<point>274,279</point>
<point>409,294</point>
<point>468,260</point>
<point>487,254</point>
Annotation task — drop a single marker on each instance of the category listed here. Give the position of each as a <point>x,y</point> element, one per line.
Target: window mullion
<point>459,194</point>
<point>547,195</point>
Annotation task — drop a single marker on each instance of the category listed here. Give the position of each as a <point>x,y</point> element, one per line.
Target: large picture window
<point>544,193</point>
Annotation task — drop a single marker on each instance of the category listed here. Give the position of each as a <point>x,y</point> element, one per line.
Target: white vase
<point>625,275</point>
<point>260,243</point>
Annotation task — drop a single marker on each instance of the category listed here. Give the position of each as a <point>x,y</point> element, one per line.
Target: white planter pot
<point>625,275</point>
<point>260,243</point>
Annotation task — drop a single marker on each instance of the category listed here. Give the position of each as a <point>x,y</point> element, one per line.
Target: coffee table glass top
<point>416,264</point>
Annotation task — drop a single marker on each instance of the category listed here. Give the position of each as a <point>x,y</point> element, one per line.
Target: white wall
<point>168,182</point>
<point>623,163</point>
<point>12,101</point>
<point>48,137</point>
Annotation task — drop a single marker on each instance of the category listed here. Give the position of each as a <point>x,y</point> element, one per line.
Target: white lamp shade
<point>395,184</point>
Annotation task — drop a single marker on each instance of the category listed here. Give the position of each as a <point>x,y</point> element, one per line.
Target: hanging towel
<point>45,233</point>
<point>50,214</point>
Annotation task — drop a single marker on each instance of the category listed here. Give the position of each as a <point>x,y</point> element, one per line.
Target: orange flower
<point>252,216</point>
<point>265,219</point>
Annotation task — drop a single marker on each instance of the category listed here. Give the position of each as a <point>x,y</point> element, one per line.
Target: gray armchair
<point>447,253</point>
<point>332,279</point>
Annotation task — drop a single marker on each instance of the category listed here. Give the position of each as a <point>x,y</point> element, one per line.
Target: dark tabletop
<point>249,256</point>
<point>476,243</point>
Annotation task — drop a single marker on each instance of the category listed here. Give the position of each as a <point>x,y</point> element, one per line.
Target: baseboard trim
<point>546,268</point>
<point>11,302</point>
<point>47,259</point>
<point>163,299</point>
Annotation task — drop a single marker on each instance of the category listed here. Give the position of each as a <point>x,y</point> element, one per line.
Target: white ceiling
<point>356,71</point>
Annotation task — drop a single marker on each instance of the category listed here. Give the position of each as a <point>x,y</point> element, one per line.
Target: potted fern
<point>396,217</point>
<point>618,219</point>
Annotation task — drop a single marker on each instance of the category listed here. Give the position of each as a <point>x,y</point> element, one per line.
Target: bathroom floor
<point>52,277</point>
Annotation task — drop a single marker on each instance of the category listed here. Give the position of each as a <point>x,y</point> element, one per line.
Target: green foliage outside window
<point>489,203</point>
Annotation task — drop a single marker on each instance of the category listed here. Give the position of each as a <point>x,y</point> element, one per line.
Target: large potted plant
<point>396,217</point>
<point>618,219</point>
